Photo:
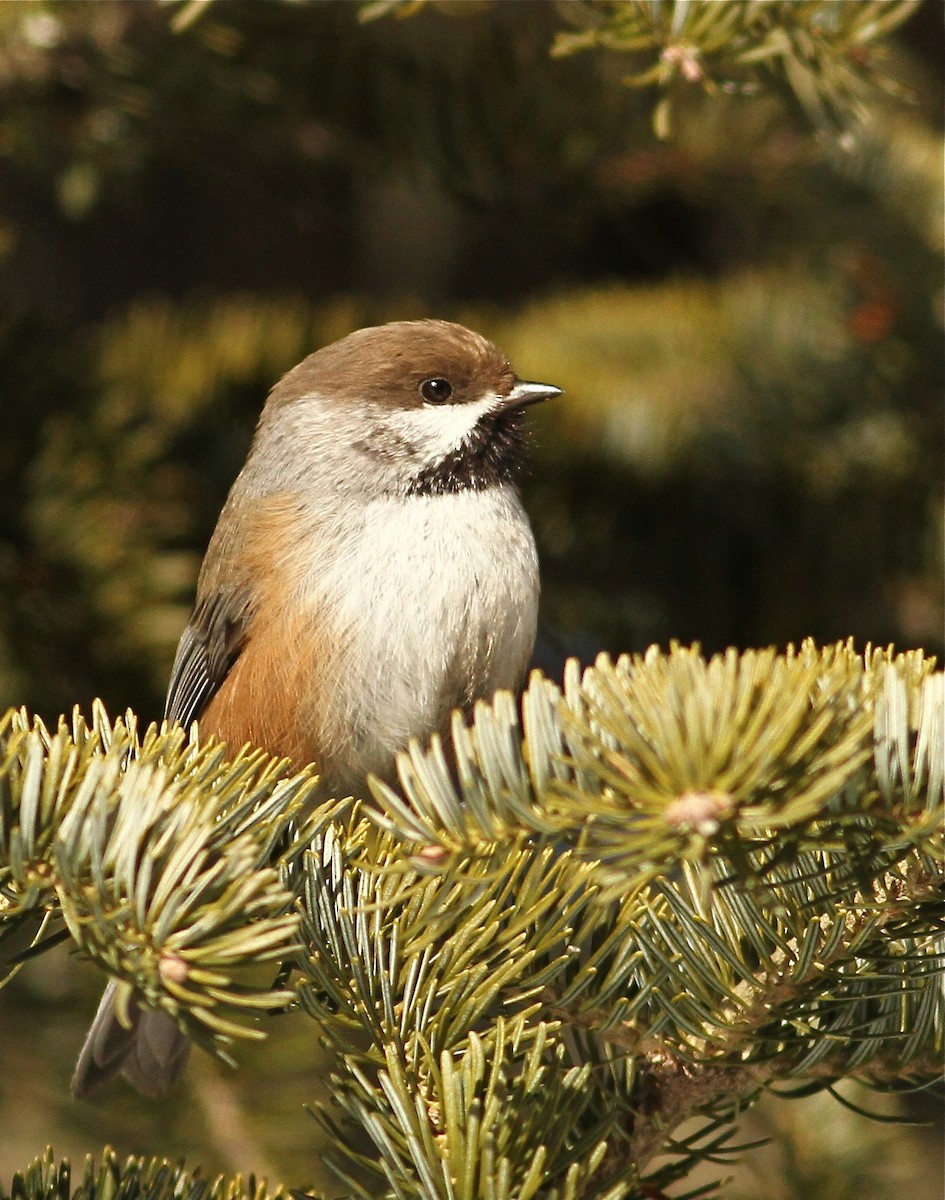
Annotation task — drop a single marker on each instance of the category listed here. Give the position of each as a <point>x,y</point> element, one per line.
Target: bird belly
<point>431,607</point>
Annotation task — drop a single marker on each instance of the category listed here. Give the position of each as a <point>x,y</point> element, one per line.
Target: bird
<point>373,569</point>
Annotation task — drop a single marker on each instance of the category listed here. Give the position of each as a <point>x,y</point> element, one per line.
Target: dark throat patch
<point>490,455</point>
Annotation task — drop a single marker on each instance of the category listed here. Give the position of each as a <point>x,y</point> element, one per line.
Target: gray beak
<point>523,394</point>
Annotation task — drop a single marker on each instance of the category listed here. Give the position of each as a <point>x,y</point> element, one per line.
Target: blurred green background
<point>747,320</point>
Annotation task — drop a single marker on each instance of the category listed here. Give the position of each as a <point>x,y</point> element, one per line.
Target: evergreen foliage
<point>159,857</point>
<point>135,1179</point>
<point>817,53</point>
<point>663,890</point>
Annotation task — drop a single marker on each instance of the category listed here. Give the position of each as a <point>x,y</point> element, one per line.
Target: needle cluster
<point>633,902</point>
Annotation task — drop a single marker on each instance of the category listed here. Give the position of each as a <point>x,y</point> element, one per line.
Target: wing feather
<point>210,645</point>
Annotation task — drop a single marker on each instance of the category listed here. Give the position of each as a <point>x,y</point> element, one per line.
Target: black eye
<point>436,391</point>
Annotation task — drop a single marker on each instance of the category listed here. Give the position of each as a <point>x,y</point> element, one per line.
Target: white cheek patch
<point>438,430</point>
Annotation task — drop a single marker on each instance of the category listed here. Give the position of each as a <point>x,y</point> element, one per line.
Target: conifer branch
<point>162,858</point>
<point>661,890</point>
<point>822,57</point>
<point>133,1179</point>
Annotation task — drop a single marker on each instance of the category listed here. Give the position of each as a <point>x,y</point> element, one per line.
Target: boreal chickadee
<point>372,570</point>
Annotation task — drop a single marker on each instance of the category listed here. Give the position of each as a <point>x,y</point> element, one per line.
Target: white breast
<point>434,604</point>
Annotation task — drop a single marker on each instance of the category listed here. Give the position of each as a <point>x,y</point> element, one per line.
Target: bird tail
<point>150,1054</point>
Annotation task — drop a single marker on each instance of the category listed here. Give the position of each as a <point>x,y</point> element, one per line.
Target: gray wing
<point>208,648</point>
